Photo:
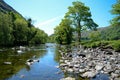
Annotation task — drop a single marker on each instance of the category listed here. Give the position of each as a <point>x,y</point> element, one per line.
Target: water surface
<point>43,70</point>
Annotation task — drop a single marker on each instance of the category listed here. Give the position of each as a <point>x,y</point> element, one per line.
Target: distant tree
<point>51,38</point>
<point>39,38</point>
<point>116,11</point>
<point>95,36</point>
<point>63,32</point>
<point>81,18</point>
<point>29,22</point>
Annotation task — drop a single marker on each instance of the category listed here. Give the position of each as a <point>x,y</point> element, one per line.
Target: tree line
<point>16,30</point>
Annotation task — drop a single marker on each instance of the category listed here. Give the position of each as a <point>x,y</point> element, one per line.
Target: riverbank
<point>89,62</point>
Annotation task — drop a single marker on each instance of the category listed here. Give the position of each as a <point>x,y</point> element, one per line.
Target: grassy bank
<point>115,44</point>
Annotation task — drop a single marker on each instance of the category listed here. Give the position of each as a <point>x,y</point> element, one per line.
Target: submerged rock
<point>8,63</point>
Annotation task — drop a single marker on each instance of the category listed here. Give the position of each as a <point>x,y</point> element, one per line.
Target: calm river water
<point>43,70</point>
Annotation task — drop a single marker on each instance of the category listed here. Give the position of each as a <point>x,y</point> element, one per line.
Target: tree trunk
<point>79,32</point>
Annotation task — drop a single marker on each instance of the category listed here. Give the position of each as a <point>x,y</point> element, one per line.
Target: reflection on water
<point>48,55</point>
<point>18,70</point>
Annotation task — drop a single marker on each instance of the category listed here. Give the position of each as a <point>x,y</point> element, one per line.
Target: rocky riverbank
<point>90,62</point>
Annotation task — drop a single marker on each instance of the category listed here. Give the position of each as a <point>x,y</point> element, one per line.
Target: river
<point>13,64</point>
<point>43,70</point>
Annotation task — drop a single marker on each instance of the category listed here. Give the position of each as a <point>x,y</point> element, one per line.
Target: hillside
<point>4,7</point>
<point>106,33</point>
<point>15,30</point>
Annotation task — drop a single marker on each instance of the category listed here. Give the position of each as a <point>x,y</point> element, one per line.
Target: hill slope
<point>4,7</point>
<point>15,30</point>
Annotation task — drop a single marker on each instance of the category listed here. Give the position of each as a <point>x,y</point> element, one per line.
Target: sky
<point>47,14</point>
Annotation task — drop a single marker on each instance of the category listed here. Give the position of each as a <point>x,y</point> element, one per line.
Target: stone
<point>77,65</point>
<point>89,74</point>
<point>57,66</point>
<point>108,52</point>
<point>113,75</point>
<point>8,63</point>
<point>81,70</point>
<point>83,55</point>
<point>22,76</point>
<point>70,70</point>
<point>99,67</point>
<point>68,78</point>
<point>63,65</point>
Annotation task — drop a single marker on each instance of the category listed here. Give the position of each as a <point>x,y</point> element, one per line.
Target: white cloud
<point>47,22</point>
<point>49,25</point>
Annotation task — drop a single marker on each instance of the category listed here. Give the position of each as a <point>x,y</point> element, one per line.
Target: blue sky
<point>47,14</point>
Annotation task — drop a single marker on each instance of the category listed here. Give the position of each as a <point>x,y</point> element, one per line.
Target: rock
<point>61,61</point>
<point>36,60</point>
<point>108,67</point>
<point>116,78</point>
<point>89,74</point>
<point>107,51</point>
<point>113,75</point>
<point>57,66</point>
<point>70,65</point>
<point>29,63</point>
<point>63,65</point>
<point>99,67</point>
<point>8,63</point>
<point>68,78</point>
<point>77,65</point>
<point>81,70</point>
<point>19,51</point>
<point>83,55</point>
<point>70,70</point>
<point>22,76</point>
<point>30,60</point>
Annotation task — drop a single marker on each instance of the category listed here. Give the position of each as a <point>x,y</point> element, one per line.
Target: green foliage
<point>115,45</point>
<point>40,37</point>
<point>15,31</point>
<point>95,36</point>
<point>63,32</point>
<point>5,30</point>
<point>51,39</point>
<point>116,11</point>
<point>111,33</point>
<point>20,31</point>
<point>81,18</point>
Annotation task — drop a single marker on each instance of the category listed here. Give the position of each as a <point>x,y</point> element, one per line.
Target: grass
<point>115,44</point>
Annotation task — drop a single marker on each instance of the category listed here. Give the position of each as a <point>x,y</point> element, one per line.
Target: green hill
<point>4,7</point>
<point>15,30</point>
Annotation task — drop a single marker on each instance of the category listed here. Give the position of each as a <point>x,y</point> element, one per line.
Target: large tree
<point>116,11</point>
<point>81,17</point>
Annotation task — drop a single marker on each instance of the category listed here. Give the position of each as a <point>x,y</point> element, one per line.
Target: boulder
<point>99,67</point>
<point>8,63</point>
<point>89,74</point>
<point>70,70</point>
<point>68,78</point>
